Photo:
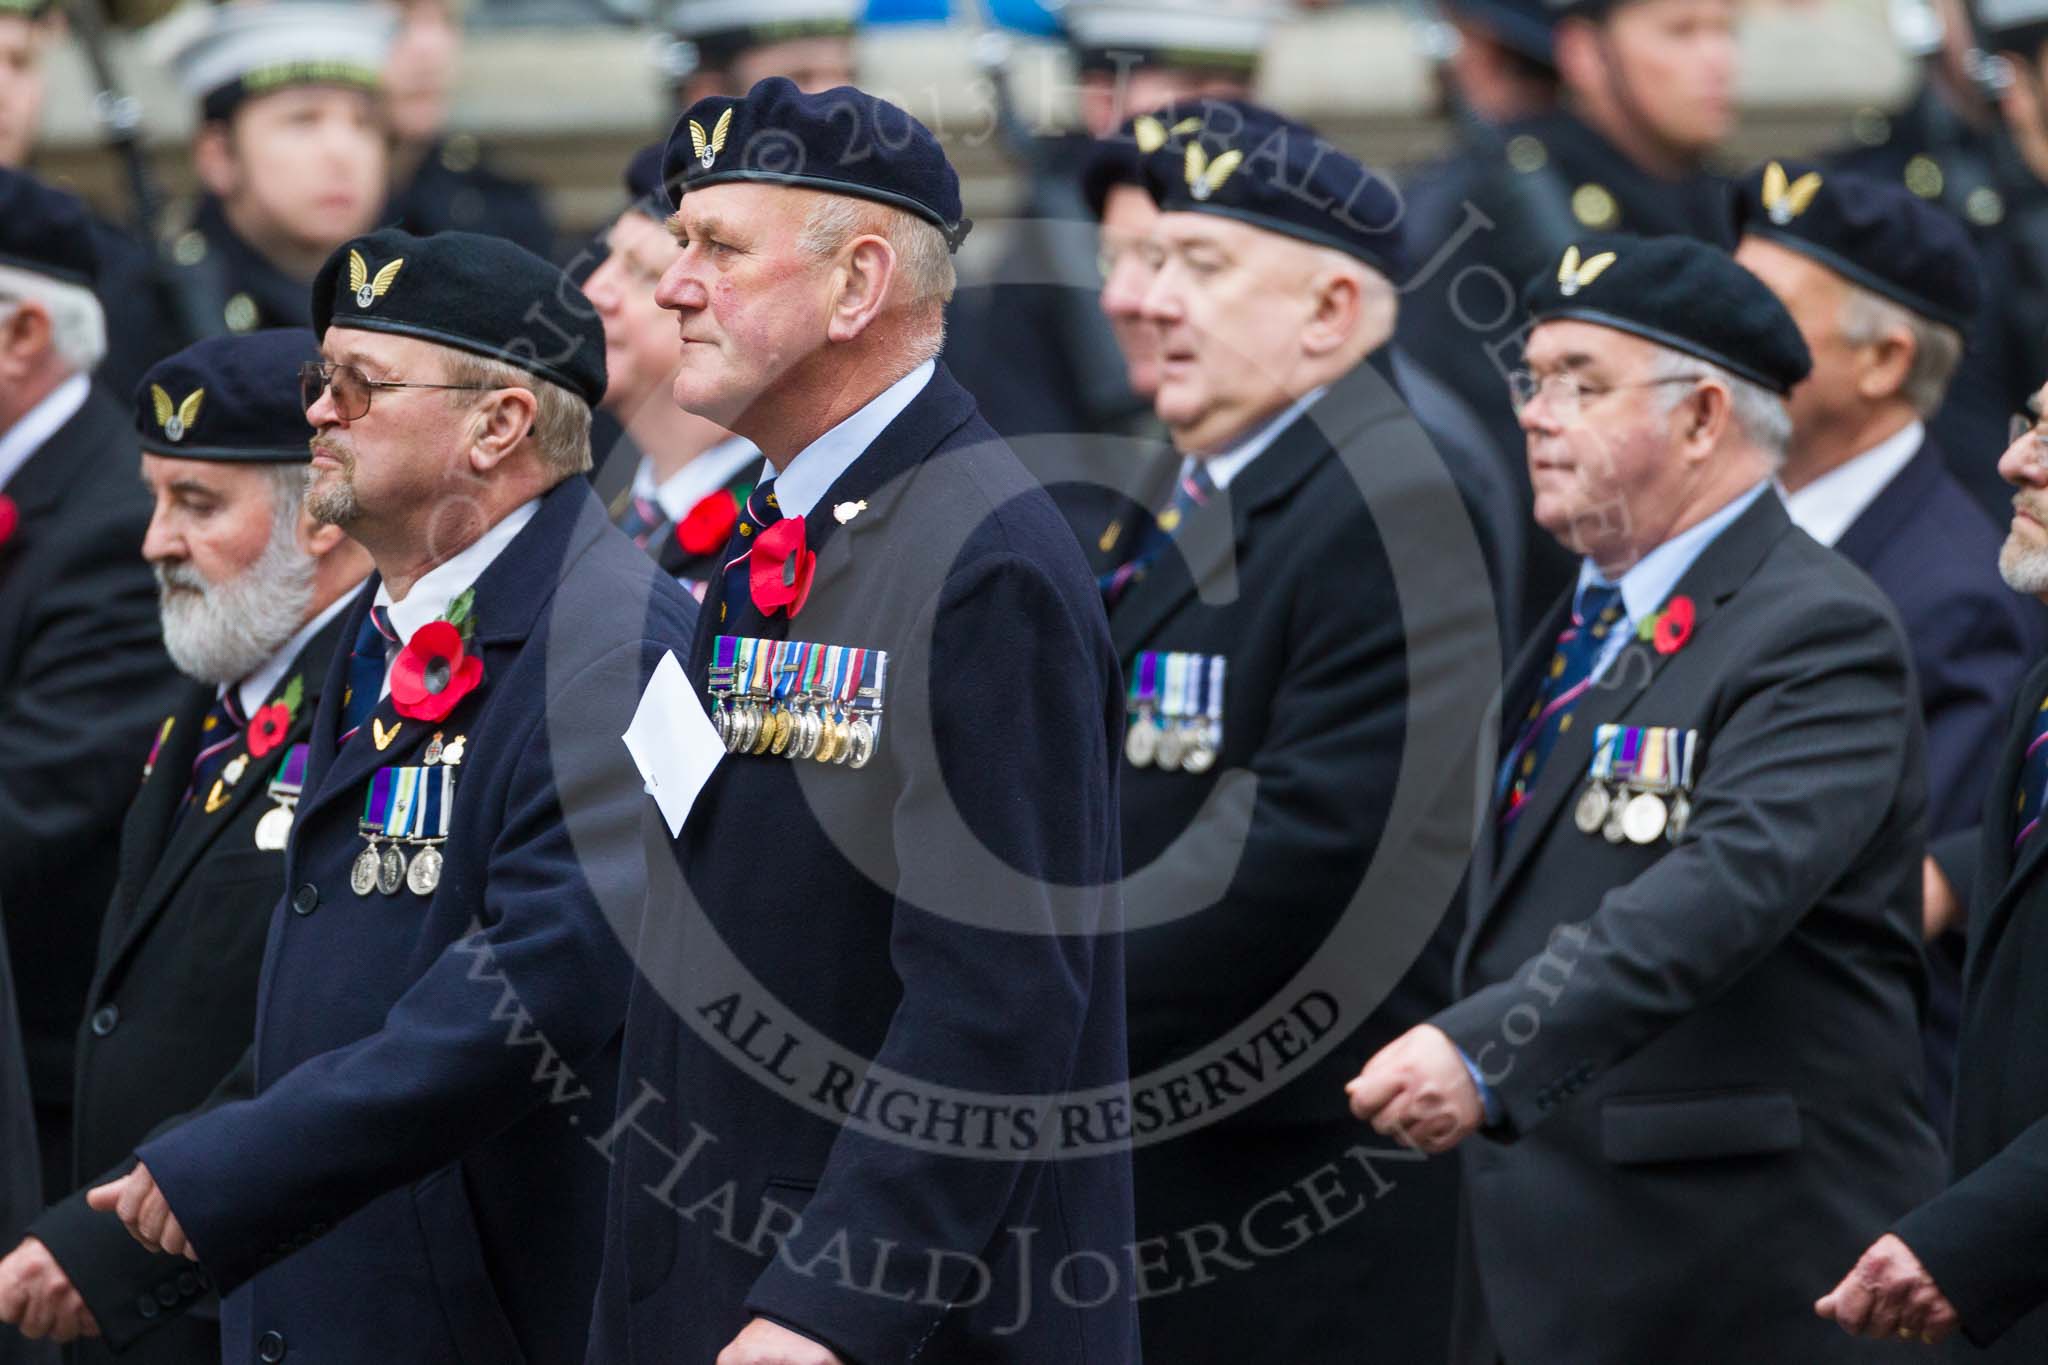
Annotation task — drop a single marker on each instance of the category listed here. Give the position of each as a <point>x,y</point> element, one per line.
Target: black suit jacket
<point>83,684</point>
<point>1707,1054</point>
<point>1982,1238</point>
<point>171,1011</point>
<point>947,911</point>
<point>411,1180</point>
<point>1240,875</point>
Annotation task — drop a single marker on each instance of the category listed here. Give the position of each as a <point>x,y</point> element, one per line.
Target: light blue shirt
<point>818,465</point>
<point>1646,585</point>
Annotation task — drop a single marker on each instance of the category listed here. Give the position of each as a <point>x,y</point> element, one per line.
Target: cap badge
<point>175,421</point>
<point>1151,134</point>
<point>708,148</point>
<point>1572,275</point>
<point>1785,202</point>
<point>368,288</point>
<point>1205,177</point>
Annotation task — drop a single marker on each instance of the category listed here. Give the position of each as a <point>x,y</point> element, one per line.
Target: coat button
<point>188,1283</point>
<point>167,1294</point>
<point>104,1020</point>
<point>145,1307</point>
<point>270,1349</point>
<point>306,899</point>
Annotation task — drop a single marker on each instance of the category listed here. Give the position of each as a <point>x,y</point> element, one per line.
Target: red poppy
<point>780,568</point>
<point>267,728</point>
<point>704,528</point>
<point>1674,626</point>
<point>432,672</point>
<point>10,518</point>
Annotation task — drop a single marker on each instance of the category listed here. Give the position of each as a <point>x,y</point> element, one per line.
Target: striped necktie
<point>1194,490</point>
<point>219,734</point>
<point>367,663</point>
<point>2033,792</point>
<point>737,614</point>
<point>1579,646</point>
<point>642,518</point>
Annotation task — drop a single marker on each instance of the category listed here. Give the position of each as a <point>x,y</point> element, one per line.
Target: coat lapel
<point>1895,504</point>
<point>1208,539</point>
<point>1721,569</point>
<point>2009,871</point>
<point>147,829</point>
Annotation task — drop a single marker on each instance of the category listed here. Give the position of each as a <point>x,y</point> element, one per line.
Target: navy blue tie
<point>642,518</point>
<point>2033,777</point>
<point>1194,490</point>
<point>219,734</point>
<point>367,663</point>
<point>1579,646</point>
<point>737,614</point>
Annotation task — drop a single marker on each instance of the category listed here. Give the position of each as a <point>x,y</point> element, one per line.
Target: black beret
<point>644,183</point>
<point>230,398</point>
<point>45,231</point>
<point>1119,159</point>
<point>842,141</point>
<point>1244,161</point>
<point>1874,233</point>
<point>1679,293</point>
<point>479,294</point>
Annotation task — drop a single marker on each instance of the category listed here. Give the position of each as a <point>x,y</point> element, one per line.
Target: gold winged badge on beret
<point>1151,134</point>
<point>1205,177</point>
<point>178,420</point>
<point>708,148</point>
<point>370,288</point>
<point>1783,202</point>
<point>1574,274</point>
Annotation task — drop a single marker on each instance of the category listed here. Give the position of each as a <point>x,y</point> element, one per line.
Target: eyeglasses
<point>2026,424</point>
<point>352,388</point>
<point>1567,397</point>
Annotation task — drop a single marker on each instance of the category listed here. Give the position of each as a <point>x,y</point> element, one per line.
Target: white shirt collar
<point>697,480</point>
<point>818,465</point>
<point>40,423</point>
<point>1651,579</point>
<point>429,598</point>
<point>255,689</point>
<point>1228,465</point>
<point>1826,508</point>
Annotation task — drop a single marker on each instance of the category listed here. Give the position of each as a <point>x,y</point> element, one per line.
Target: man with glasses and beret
<point>83,679</point>
<point>252,593</point>
<point>904,868</point>
<point>438,1017</point>
<point>1683,1072</point>
<point>1884,287</point>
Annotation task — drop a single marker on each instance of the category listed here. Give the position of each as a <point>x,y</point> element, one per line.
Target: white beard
<point>2024,568</point>
<point>221,633</point>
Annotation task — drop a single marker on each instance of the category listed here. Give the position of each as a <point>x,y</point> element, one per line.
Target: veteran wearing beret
<point>690,477</point>
<point>83,678</point>
<point>1683,1073</point>
<point>1966,1263</point>
<point>1271,615</point>
<point>1884,287</point>
<point>438,1015</point>
<point>252,593</point>
<point>290,154</point>
<point>898,887</point>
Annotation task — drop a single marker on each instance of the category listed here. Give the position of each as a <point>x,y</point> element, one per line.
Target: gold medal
<point>362,875</point>
<point>1141,742</point>
<point>1644,817</point>
<point>274,830</point>
<point>1591,812</point>
<point>828,741</point>
<point>785,725</point>
<point>391,870</point>
<point>764,734</point>
<point>842,741</point>
<point>425,873</point>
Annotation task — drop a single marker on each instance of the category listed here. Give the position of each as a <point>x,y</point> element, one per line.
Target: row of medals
<point>1640,817</point>
<point>752,727</point>
<point>1187,746</point>
<point>386,869</point>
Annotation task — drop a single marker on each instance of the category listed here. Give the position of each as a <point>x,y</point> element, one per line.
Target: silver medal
<point>1172,746</point>
<point>863,744</point>
<point>391,870</point>
<point>1643,818</point>
<point>1141,742</point>
<point>1591,812</point>
<point>425,873</point>
<point>274,830</point>
<point>1613,831</point>
<point>362,876</point>
<point>1201,754</point>
<point>1681,813</point>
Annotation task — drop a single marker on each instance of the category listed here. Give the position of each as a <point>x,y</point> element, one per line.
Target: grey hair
<point>78,325</point>
<point>1867,318</point>
<point>924,264</point>
<point>561,423</point>
<point>1760,415</point>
